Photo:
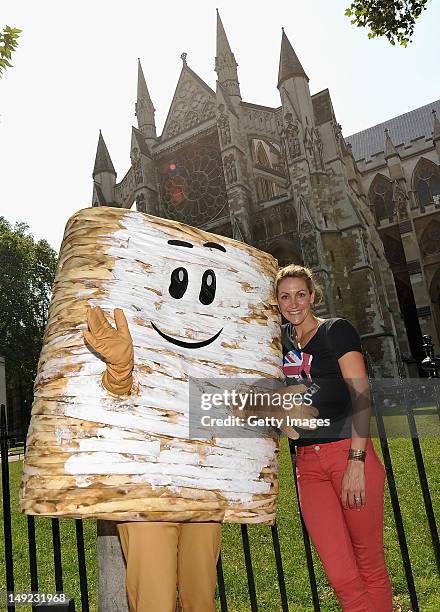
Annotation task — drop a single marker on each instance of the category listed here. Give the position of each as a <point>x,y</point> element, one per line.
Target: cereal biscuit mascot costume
<point>140,307</point>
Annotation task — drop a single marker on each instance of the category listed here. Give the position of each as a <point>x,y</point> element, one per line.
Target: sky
<point>75,73</point>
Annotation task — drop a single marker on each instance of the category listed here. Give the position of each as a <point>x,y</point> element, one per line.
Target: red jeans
<point>349,542</point>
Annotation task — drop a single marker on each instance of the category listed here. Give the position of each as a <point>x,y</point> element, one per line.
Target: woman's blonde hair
<point>296,271</point>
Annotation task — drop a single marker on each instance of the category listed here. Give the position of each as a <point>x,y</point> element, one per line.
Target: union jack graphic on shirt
<point>297,364</point>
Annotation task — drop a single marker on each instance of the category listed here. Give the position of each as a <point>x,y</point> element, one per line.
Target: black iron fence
<point>432,366</point>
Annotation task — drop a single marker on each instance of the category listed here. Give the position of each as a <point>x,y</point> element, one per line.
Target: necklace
<point>300,343</point>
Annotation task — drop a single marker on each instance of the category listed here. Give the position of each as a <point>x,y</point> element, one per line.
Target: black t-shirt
<point>316,366</point>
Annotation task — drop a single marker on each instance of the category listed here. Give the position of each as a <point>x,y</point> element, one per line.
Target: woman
<point>340,478</point>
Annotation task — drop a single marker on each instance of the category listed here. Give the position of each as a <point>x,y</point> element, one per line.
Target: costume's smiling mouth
<point>190,345</point>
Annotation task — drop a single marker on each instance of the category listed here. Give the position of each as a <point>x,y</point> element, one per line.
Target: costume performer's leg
<point>199,547</point>
<point>324,518</point>
<point>150,551</point>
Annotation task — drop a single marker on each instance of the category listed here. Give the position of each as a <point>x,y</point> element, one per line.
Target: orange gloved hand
<point>115,346</point>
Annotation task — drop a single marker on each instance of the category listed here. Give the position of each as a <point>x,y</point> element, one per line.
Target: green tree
<point>394,19</point>
<point>27,270</point>
<point>8,44</point>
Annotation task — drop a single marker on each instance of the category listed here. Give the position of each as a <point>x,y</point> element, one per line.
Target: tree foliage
<point>394,19</point>
<point>27,270</point>
<point>8,44</point>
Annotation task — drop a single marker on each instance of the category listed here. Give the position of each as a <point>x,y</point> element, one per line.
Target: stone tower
<point>282,179</point>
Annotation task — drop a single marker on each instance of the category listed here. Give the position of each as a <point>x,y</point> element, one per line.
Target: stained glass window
<point>430,242</point>
<point>192,183</point>
<point>381,197</point>
<point>426,181</point>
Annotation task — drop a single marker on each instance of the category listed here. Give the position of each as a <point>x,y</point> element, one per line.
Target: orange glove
<point>115,346</point>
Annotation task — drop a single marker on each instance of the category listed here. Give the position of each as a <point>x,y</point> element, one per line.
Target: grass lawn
<point>295,570</point>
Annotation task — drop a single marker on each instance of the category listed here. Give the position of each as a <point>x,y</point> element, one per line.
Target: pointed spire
<point>144,107</point>
<point>222,40</point>
<point>289,63</point>
<point>436,128</point>
<point>142,89</point>
<point>103,162</point>
<point>225,64</point>
<point>390,149</point>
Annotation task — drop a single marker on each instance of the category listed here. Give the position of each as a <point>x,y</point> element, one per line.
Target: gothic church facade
<point>286,181</point>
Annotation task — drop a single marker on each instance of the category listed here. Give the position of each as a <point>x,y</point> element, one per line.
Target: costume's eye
<point>207,290</point>
<point>179,283</point>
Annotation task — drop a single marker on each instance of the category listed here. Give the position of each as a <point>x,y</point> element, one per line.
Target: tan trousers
<point>161,557</point>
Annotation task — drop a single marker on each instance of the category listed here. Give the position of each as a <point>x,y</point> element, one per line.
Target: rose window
<point>192,185</point>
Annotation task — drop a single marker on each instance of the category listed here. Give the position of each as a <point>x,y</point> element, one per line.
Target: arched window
<point>192,182</point>
<point>262,158</point>
<point>381,197</point>
<point>264,188</point>
<point>426,181</point>
<point>430,240</point>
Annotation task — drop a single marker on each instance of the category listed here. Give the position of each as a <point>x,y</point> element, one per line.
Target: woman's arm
<point>353,370</point>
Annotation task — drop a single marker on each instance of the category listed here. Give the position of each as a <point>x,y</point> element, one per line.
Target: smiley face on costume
<point>178,287</point>
<point>189,297</point>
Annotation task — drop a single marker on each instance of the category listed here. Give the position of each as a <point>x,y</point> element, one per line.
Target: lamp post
<point>431,363</point>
